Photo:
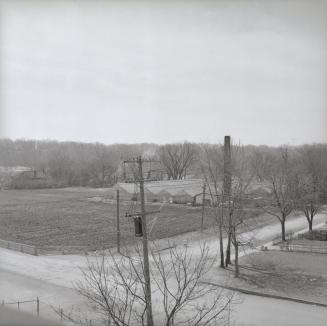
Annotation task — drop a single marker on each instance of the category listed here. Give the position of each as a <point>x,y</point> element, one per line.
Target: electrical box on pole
<point>138,226</point>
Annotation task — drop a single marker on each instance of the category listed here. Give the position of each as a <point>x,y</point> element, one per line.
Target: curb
<point>266,295</point>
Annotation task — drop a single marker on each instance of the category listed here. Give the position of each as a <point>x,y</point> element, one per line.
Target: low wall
<point>26,249</point>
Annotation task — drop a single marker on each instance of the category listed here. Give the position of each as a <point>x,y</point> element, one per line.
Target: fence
<point>27,249</point>
<point>19,303</point>
<point>66,317</point>
<point>303,248</point>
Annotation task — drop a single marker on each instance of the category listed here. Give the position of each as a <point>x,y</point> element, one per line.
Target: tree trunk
<point>282,222</point>
<point>228,260</point>
<point>221,245</point>
<point>310,223</point>
<point>237,270</point>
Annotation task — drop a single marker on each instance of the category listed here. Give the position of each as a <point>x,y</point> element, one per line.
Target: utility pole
<point>118,226</point>
<point>227,187</point>
<point>145,249</point>
<point>146,264</point>
<point>203,204</point>
<point>124,171</point>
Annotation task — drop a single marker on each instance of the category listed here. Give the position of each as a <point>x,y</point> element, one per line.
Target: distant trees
<point>177,159</point>
<point>103,165</point>
<point>85,164</point>
<point>260,161</point>
<point>70,163</point>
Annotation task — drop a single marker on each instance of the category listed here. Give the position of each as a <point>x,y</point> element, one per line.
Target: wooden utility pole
<point>143,214</point>
<point>124,171</point>
<point>118,226</point>
<point>203,206</point>
<point>37,306</point>
<point>145,249</point>
<point>227,187</point>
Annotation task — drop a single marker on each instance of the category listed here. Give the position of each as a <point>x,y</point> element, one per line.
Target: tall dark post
<point>37,306</point>
<point>145,249</point>
<point>227,186</point>
<point>203,206</point>
<point>118,226</point>
<point>124,172</point>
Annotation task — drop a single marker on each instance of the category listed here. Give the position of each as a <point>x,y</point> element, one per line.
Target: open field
<point>65,219</point>
<point>292,274</point>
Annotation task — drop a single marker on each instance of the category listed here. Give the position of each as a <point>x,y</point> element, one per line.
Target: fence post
<point>37,306</point>
<point>18,304</point>
<point>61,314</point>
<point>35,251</point>
<point>3,302</point>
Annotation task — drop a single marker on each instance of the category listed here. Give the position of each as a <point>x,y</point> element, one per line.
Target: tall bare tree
<point>176,159</point>
<point>282,183</point>
<point>312,180</point>
<point>242,177</point>
<point>229,210</point>
<point>212,169</point>
<point>103,164</point>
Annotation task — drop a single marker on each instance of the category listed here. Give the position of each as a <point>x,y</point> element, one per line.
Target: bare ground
<point>65,219</point>
<point>292,274</point>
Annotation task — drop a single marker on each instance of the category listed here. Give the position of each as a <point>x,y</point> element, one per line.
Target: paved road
<point>14,287</point>
<point>258,311</point>
<point>12,317</point>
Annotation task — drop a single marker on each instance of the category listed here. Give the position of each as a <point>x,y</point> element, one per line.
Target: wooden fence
<point>19,303</point>
<point>303,248</point>
<point>27,249</point>
<point>56,313</point>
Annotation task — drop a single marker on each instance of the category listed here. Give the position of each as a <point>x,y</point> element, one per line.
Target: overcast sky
<point>164,71</point>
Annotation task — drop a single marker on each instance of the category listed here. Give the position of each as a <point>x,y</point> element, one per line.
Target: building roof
<point>172,187</point>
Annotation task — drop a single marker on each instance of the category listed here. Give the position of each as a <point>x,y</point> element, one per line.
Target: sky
<point>164,71</point>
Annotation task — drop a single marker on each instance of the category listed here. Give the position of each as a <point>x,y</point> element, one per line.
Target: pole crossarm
<point>140,213</point>
<point>136,160</point>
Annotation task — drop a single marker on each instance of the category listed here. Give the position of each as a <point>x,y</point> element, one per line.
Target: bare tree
<point>116,287</point>
<point>282,182</point>
<point>176,159</point>
<point>182,290</point>
<point>212,169</point>
<point>312,179</point>
<point>242,177</point>
<point>103,165</point>
<point>229,210</point>
<point>260,162</point>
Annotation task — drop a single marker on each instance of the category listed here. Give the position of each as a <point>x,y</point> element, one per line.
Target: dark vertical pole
<point>145,249</point>
<point>118,226</point>
<point>227,191</point>
<point>203,203</point>
<point>37,306</point>
<point>124,172</point>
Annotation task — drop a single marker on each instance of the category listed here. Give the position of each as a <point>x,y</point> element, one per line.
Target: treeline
<point>95,164</point>
<point>70,163</point>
